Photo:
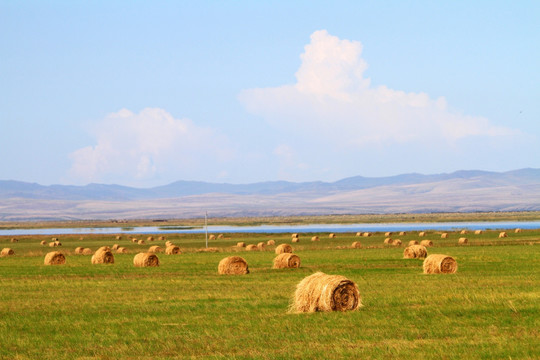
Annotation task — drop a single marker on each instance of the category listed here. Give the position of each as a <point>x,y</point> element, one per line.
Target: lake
<point>314,228</point>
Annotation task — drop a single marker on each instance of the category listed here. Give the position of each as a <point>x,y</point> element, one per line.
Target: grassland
<point>489,309</point>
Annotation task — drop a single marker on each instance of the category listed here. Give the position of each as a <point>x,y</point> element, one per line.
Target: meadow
<point>489,309</point>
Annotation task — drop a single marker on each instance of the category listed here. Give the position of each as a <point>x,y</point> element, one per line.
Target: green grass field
<point>489,309</point>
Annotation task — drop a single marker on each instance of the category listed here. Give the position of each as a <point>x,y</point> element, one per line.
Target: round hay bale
<point>388,241</point>
<point>478,232</point>
<point>155,249</point>
<point>43,242</point>
<point>413,242</point>
<point>295,240</point>
<point>251,247</point>
<point>134,240</point>
<point>396,242</point>
<point>518,230</point>
<point>356,245</point>
<point>87,251</point>
<point>286,260</point>
<point>366,234</point>
<point>444,235</point>
<point>426,243</point>
<point>55,258</point>
<point>54,239</point>
<point>7,252</point>
<point>388,234</point>
<point>284,248</point>
<point>294,235</point>
<point>463,232</point>
<point>415,252</point>
<point>463,240</point>
<point>115,247</point>
<point>161,238</point>
<point>118,237</point>
<point>220,236</point>
<point>241,244</point>
<point>440,264</point>
<point>359,234</point>
<point>79,250</point>
<point>315,238</point>
<point>172,250</point>
<point>261,245</point>
<point>168,243</point>
<point>422,233</point>
<point>57,243</point>
<point>402,233</point>
<point>233,265</point>
<point>503,234</point>
<point>145,260</point>
<point>212,237</point>
<point>271,242</point>
<point>141,242</point>
<point>331,235</point>
<point>103,256</point>
<point>150,238</point>
<point>14,240</point>
<point>321,292</point>
<point>52,244</point>
<point>121,250</point>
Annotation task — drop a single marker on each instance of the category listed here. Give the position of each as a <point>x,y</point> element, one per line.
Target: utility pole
<point>206,227</point>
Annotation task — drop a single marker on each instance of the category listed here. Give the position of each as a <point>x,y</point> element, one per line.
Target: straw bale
<point>359,234</point>
<point>79,250</point>
<point>463,232</point>
<point>388,234</point>
<point>444,235</point>
<point>415,252</point>
<point>43,242</point>
<point>212,237</point>
<point>141,242</point>
<point>388,241</point>
<point>478,232</point>
<point>172,250</point>
<point>332,235</point>
<point>503,234</point>
<point>168,243</point>
<point>321,292</point>
<point>134,240</point>
<point>518,230</point>
<point>233,265</point>
<point>402,233</point>
<point>426,243</point>
<point>57,243</point>
<point>294,235</point>
<point>155,249</point>
<point>315,238</point>
<point>150,238</point>
<point>220,236</point>
<point>251,247</point>
<point>439,264</point>
<point>145,260</point>
<point>103,256</point>
<point>52,244</point>
<point>241,244</point>
<point>463,240</point>
<point>284,248</point>
<point>413,242</point>
<point>271,242</point>
<point>115,247</point>
<point>261,245</point>
<point>366,234</point>
<point>396,242</point>
<point>356,245</point>
<point>55,258</point>
<point>422,233</point>
<point>286,260</point>
<point>14,240</point>
<point>118,237</point>
<point>7,252</point>
<point>295,240</point>
<point>121,250</point>
<point>161,238</point>
<point>87,251</point>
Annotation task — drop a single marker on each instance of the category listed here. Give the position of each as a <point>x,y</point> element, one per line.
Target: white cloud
<point>333,100</point>
<point>151,146</point>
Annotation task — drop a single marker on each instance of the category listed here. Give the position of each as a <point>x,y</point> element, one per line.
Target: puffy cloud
<point>332,99</point>
<point>138,149</point>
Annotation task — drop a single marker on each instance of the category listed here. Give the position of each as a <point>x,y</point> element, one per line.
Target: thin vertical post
<point>206,227</point>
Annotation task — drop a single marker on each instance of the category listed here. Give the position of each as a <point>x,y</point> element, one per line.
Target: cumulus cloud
<point>152,145</point>
<point>332,99</point>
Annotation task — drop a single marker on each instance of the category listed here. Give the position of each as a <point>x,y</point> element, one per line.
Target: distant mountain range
<point>458,191</point>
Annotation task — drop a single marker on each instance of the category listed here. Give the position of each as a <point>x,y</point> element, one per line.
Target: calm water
<point>285,228</point>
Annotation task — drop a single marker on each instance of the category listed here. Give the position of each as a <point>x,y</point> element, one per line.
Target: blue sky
<point>146,93</point>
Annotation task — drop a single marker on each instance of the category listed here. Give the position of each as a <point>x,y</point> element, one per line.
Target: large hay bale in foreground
<point>413,242</point>
<point>251,247</point>
<point>463,240</point>
<point>155,249</point>
<point>286,260</point>
<point>356,245</point>
<point>315,238</point>
<point>388,241</point>
<point>172,250</point>
<point>79,250</point>
<point>415,252</point>
<point>87,251</point>
<point>284,248</point>
<point>321,292</point>
<point>145,260</point>
<point>502,234</point>
<point>233,265</point>
<point>55,258</point>
<point>121,250</point>
<point>426,243</point>
<point>241,244</point>
<point>271,242</point>
<point>7,252</point>
<point>440,264</point>
<point>103,256</point>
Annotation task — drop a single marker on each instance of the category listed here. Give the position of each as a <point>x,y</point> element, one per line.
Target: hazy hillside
<point>458,191</point>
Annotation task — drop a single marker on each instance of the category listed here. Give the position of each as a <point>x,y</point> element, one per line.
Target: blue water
<point>315,228</point>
